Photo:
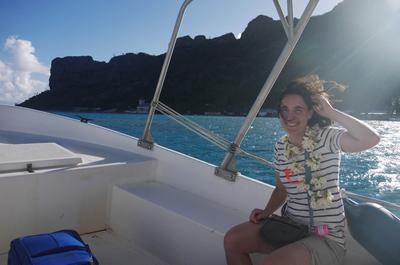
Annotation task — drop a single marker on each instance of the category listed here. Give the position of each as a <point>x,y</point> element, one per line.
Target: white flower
<point>316,156</point>
<point>308,144</point>
<point>314,165</point>
<point>314,161</point>
<point>296,168</point>
<point>302,186</point>
<point>328,196</point>
<point>285,139</point>
<point>323,203</point>
<point>321,199</point>
<point>309,141</point>
<point>318,182</point>
<point>311,132</point>
<point>292,151</point>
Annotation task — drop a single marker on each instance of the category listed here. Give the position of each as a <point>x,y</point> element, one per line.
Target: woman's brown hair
<point>306,87</point>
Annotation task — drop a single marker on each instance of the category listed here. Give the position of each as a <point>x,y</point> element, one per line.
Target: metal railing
<point>217,140</point>
<point>228,169</point>
<point>147,140</point>
<point>388,205</point>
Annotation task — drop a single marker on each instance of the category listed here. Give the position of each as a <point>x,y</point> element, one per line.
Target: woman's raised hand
<point>322,106</point>
<point>359,135</point>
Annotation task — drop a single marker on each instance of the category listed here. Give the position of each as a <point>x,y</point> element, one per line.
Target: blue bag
<point>63,247</point>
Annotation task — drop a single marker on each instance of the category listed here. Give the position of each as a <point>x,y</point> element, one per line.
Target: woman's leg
<point>242,240</point>
<point>292,254</point>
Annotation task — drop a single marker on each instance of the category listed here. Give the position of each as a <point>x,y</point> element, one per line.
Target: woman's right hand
<point>258,215</point>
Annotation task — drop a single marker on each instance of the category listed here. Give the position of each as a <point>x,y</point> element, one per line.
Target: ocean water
<point>374,173</point>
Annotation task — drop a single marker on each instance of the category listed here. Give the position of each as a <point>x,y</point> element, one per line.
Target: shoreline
<point>363,116</point>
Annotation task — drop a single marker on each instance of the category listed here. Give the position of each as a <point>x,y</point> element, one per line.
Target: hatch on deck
<point>29,157</point>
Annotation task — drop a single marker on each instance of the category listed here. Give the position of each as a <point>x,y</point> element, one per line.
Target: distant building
<point>212,113</point>
<point>267,113</point>
<point>142,106</point>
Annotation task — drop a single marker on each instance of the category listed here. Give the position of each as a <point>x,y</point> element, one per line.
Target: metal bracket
<point>226,174</point>
<point>154,104</point>
<point>228,169</point>
<point>145,144</point>
<point>29,168</point>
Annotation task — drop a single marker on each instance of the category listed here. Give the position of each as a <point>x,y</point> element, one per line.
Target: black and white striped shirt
<point>328,145</point>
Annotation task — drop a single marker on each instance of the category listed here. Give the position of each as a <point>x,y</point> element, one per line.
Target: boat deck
<point>104,169</point>
<point>111,250</point>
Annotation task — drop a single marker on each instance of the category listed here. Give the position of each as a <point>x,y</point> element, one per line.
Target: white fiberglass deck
<point>111,250</point>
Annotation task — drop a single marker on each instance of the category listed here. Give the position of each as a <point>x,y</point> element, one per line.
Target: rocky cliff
<point>355,44</point>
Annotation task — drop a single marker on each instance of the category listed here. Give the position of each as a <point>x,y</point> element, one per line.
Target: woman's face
<point>294,114</point>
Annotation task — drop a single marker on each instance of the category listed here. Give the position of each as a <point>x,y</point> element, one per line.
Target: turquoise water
<point>374,173</point>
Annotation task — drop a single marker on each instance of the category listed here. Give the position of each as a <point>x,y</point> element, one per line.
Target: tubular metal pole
<point>290,17</point>
<point>386,204</point>
<point>147,140</point>
<point>228,169</point>
<point>282,18</point>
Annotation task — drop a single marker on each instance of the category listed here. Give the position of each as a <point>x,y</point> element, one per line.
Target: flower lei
<point>319,198</point>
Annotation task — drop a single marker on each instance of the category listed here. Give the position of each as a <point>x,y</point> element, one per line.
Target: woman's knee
<point>244,238</point>
<point>231,240</point>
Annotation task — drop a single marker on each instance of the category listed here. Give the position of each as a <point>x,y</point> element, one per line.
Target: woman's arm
<point>359,136</point>
<point>277,199</point>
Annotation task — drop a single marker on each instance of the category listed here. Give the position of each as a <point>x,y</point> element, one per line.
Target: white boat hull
<point>161,201</point>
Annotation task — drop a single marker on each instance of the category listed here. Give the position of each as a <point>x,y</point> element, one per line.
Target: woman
<point>306,115</point>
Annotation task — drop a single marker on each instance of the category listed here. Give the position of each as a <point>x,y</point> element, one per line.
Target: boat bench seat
<point>158,215</point>
<point>212,215</point>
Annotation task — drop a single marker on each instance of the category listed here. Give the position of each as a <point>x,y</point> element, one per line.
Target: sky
<point>33,33</point>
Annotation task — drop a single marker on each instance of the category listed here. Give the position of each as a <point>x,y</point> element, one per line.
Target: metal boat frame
<point>228,169</point>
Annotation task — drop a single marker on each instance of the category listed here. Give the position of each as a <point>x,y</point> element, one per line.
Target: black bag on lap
<point>281,230</point>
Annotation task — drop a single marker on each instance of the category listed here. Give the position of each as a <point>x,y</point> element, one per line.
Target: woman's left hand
<point>322,106</point>
<point>359,135</point>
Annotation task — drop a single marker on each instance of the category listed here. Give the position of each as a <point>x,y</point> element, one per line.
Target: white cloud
<point>16,81</point>
<point>394,4</point>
